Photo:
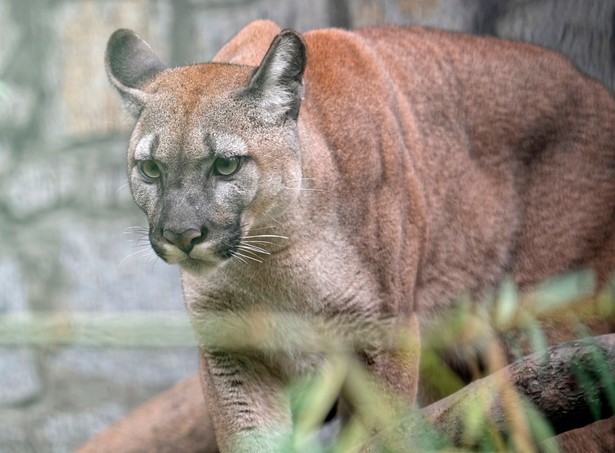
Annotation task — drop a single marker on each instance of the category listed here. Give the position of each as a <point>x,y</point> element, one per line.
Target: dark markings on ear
<point>277,84</point>
<point>131,65</point>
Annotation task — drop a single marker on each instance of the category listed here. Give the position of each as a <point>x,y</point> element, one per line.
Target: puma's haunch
<point>360,180</point>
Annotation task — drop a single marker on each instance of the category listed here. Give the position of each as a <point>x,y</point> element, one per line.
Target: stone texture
<point>6,156</point>
<point>10,34</point>
<point>212,27</point>
<point>448,14</point>
<point>581,30</point>
<point>96,258</point>
<point>130,369</point>
<point>39,186</point>
<point>13,297</point>
<point>82,102</point>
<point>19,378</point>
<point>65,431</point>
<point>17,104</point>
<point>15,433</point>
<point>65,207</point>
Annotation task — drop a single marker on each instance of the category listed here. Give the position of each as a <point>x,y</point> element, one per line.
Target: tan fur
<point>423,166</point>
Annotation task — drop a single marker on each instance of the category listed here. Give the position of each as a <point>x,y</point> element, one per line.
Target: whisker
<point>258,236</point>
<point>304,189</point>
<point>300,185</point>
<point>248,257</point>
<point>304,179</point>
<point>139,241</point>
<point>257,242</point>
<point>140,245</point>
<point>262,228</point>
<point>238,257</point>
<point>136,229</point>
<point>137,237</point>
<point>144,253</point>
<point>122,187</point>
<point>140,237</point>
<point>276,221</point>
<point>154,259</point>
<point>253,248</point>
<point>250,253</point>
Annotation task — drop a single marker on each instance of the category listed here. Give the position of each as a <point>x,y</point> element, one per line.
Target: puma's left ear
<point>131,66</point>
<point>277,84</point>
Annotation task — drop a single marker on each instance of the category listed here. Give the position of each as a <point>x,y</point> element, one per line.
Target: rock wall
<point>65,209</point>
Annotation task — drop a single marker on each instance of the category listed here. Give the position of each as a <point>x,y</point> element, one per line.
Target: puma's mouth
<point>226,245</point>
<point>198,266</point>
<point>202,255</point>
<point>230,248</point>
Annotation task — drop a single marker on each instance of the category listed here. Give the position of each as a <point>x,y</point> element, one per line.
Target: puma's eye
<point>149,169</point>
<point>226,166</point>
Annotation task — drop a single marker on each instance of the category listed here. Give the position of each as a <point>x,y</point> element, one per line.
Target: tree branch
<point>571,384</point>
<point>176,421</point>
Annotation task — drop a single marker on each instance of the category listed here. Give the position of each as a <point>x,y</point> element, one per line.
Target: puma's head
<point>214,152</point>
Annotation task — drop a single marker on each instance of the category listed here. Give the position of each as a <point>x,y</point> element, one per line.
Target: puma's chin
<point>196,266</point>
<point>201,258</point>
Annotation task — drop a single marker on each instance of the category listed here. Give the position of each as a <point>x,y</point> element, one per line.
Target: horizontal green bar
<point>133,330</point>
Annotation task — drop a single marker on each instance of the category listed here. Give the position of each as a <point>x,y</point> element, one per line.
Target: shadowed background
<point>65,211</point>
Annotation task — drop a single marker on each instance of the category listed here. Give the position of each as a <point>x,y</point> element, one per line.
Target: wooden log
<point>572,385</point>
<point>176,421</point>
<point>569,384</point>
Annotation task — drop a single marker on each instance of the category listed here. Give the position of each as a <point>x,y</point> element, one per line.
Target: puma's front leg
<point>397,367</point>
<point>250,410</point>
<point>394,368</point>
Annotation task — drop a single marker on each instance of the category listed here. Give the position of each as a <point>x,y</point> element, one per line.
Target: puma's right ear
<point>131,65</point>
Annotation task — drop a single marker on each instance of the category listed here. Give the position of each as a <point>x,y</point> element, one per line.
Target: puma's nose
<point>185,240</point>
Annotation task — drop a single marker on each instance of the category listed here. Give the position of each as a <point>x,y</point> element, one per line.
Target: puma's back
<point>500,153</point>
<point>361,179</point>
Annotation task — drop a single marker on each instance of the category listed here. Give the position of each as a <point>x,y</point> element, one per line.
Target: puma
<point>362,179</point>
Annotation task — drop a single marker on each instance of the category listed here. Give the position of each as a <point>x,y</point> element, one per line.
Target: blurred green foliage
<point>5,92</point>
<point>505,324</point>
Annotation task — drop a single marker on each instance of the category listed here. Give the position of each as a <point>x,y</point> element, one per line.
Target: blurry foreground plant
<point>518,407</point>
